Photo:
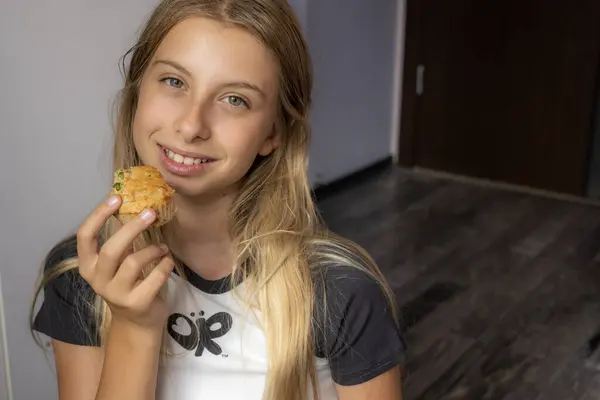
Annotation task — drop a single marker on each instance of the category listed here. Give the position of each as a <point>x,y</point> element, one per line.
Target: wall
<point>353,49</point>
<point>59,74</point>
<point>59,67</point>
<point>301,9</point>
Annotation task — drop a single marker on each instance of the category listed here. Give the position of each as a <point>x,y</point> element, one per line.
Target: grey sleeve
<point>66,313</point>
<point>354,327</point>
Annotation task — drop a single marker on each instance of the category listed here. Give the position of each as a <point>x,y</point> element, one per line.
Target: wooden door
<point>502,90</point>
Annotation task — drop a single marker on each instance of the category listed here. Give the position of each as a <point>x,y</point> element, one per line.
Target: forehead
<point>208,48</point>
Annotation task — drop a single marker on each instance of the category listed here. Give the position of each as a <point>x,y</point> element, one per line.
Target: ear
<point>271,143</point>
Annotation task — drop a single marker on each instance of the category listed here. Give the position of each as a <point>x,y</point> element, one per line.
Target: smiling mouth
<point>183,160</point>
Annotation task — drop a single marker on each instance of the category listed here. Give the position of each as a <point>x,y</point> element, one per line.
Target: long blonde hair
<point>283,244</point>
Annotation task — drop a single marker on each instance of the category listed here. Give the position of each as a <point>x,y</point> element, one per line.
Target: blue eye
<point>237,101</point>
<point>173,82</point>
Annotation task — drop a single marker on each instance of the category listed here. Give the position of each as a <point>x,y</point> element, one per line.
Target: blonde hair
<point>283,244</point>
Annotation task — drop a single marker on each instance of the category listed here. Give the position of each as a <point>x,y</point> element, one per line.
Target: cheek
<point>153,113</point>
<point>248,139</point>
<point>146,122</point>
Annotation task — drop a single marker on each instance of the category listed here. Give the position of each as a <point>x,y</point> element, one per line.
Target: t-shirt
<point>216,346</point>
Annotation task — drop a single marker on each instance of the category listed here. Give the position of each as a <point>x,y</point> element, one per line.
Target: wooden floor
<point>499,291</point>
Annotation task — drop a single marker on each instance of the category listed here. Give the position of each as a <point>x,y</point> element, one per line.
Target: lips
<point>184,164</point>
<point>181,159</point>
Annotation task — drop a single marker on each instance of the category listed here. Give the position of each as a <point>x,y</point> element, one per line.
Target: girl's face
<point>207,107</point>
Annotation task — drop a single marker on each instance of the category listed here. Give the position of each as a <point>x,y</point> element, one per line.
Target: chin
<point>187,192</point>
<point>198,192</point>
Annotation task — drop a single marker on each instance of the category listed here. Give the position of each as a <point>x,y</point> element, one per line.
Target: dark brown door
<point>502,90</point>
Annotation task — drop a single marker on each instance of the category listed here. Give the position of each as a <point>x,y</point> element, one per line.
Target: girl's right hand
<point>115,274</point>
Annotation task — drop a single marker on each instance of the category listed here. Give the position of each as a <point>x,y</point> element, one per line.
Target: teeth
<point>184,160</point>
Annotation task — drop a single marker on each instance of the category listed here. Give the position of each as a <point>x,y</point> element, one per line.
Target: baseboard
<point>322,192</point>
<point>508,187</point>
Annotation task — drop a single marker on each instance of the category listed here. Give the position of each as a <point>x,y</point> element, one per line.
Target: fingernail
<point>147,215</point>
<point>113,201</point>
<point>164,247</point>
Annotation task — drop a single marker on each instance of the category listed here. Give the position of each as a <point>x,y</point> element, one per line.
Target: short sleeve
<point>66,313</point>
<point>355,328</point>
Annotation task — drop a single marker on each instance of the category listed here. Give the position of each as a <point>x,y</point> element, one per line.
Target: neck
<point>199,235</point>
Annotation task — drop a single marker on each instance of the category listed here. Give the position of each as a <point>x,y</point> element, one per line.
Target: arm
<point>127,365</point>
<point>383,387</point>
<point>138,313</point>
<point>358,335</point>
<point>128,371</point>
<point>131,364</point>
<point>78,370</point>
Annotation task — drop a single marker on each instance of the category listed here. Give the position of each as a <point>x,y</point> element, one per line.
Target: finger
<point>130,270</point>
<point>148,289</point>
<point>118,225</point>
<point>116,248</point>
<point>87,234</point>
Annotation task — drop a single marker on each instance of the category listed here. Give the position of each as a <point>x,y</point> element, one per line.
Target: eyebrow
<point>175,65</point>
<point>245,85</point>
<point>233,85</point>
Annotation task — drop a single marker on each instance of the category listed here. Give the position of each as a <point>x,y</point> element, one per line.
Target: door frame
<point>405,100</point>
<point>5,361</point>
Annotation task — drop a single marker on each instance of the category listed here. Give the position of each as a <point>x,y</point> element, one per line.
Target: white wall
<point>58,63</point>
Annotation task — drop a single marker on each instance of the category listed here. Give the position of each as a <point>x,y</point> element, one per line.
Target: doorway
<point>501,90</point>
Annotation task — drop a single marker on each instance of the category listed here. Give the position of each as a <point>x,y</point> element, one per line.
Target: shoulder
<point>355,326</point>
<point>340,288</point>
<point>67,310</point>
<point>337,280</point>
<point>61,275</point>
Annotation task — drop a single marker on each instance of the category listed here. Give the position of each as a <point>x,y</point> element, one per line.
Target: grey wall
<point>58,62</point>
<point>301,8</point>
<point>353,49</point>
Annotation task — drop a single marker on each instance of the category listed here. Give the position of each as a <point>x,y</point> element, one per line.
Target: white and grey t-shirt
<point>216,346</point>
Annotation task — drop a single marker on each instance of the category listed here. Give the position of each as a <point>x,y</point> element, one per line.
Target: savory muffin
<point>141,188</point>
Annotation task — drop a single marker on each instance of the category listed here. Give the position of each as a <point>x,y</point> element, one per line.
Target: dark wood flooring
<point>499,291</point>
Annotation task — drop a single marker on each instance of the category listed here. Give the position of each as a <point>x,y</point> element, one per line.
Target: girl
<point>259,300</point>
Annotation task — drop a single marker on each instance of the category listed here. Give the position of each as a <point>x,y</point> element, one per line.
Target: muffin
<point>141,188</point>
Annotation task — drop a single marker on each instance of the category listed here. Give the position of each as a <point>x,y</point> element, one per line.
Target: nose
<point>192,124</point>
